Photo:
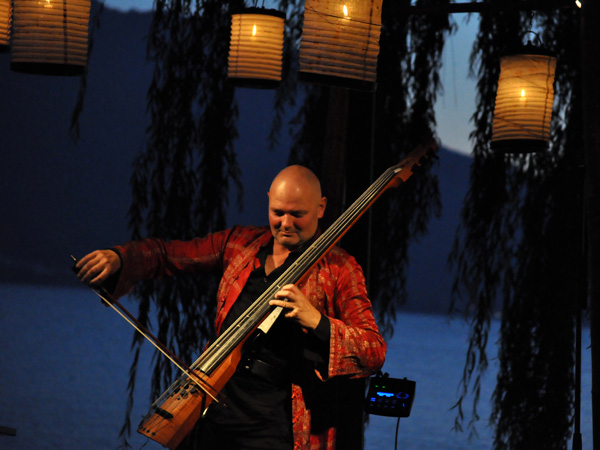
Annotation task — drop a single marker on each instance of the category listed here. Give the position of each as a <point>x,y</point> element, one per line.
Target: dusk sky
<point>68,198</point>
<point>60,197</point>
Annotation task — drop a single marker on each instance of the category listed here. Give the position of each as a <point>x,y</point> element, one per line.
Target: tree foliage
<point>408,85</point>
<point>379,129</point>
<point>519,230</point>
<point>181,179</point>
<point>519,242</point>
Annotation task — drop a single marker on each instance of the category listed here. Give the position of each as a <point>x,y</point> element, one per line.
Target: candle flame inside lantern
<point>524,100</point>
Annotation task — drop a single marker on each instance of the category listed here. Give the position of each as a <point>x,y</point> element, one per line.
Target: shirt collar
<point>267,248</point>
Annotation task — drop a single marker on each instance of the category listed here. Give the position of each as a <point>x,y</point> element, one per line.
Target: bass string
<point>260,307</point>
<point>215,354</point>
<point>325,241</point>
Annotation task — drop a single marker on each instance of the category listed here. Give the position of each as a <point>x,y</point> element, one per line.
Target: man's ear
<point>322,206</point>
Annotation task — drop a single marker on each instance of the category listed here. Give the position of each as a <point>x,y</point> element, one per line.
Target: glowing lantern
<point>340,42</point>
<point>524,101</point>
<point>256,47</point>
<point>50,36</point>
<point>4,24</point>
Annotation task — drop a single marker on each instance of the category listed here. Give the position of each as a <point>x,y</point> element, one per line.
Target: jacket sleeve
<point>155,258</point>
<point>357,348</point>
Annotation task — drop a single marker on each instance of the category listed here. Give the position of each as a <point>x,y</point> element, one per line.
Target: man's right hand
<point>95,268</point>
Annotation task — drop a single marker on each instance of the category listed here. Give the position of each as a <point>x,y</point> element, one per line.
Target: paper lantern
<point>340,42</point>
<point>50,36</point>
<point>524,101</point>
<point>256,47</point>
<point>5,14</point>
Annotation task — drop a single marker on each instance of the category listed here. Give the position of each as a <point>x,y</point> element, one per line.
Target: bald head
<point>295,206</point>
<point>300,179</point>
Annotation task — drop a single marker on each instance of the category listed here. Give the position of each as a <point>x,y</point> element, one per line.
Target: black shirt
<point>257,411</point>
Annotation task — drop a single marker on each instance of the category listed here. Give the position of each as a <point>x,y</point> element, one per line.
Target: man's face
<point>294,214</point>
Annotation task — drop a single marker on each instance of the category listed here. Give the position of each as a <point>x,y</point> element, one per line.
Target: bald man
<point>284,395</point>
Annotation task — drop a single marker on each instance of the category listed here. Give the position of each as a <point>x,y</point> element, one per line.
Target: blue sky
<point>456,103</point>
<point>126,5</point>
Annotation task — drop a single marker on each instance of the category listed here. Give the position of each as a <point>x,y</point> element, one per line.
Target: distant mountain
<point>60,198</point>
<point>429,279</point>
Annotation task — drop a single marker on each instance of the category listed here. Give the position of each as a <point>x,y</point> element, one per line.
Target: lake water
<point>64,371</point>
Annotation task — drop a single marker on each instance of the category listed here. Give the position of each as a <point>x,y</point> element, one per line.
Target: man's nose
<point>286,221</point>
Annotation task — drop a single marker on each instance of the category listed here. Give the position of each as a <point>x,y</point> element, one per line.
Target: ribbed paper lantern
<point>524,101</point>
<point>50,36</point>
<point>340,42</point>
<point>256,47</point>
<point>5,14</point>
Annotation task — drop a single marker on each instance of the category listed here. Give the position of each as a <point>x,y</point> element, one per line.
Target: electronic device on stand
<point>391,397</point>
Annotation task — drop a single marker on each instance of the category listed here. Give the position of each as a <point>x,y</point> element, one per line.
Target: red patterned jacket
<point>335,286</point>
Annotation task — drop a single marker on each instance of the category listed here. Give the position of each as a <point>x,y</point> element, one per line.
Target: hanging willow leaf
<point>516,231</point>
<point>182,178</point>
<point>520,224</point>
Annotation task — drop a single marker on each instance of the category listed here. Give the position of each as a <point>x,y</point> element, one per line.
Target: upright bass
<point>174,414</point>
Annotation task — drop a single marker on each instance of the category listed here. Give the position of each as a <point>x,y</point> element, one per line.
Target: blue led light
<point>385,394</point>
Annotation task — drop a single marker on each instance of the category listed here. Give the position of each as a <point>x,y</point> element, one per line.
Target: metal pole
<point>590,45</point>
<point>580,289</point>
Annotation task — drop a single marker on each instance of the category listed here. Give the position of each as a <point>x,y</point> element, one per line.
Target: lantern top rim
<point>261,11</point>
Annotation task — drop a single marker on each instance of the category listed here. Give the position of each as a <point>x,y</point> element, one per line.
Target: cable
<point>396,439</point>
